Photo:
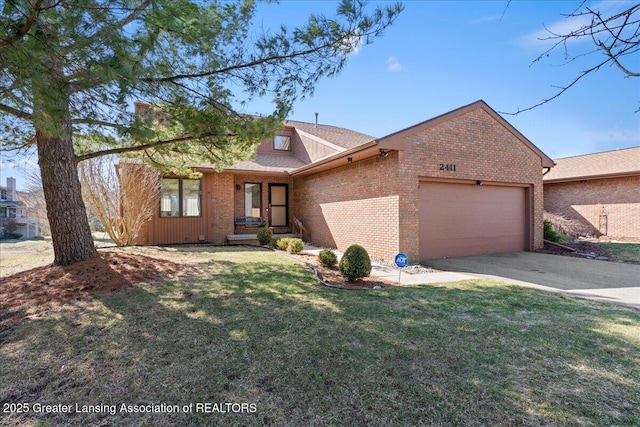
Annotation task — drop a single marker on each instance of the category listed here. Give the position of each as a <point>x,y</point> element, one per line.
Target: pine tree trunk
<point>70,231</point>
<point>51,91</point>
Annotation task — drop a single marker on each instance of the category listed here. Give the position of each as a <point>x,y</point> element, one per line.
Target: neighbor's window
<point>252,200</point>
<point>281,142</point>
<point>3,212</point>
<point>179,197</point>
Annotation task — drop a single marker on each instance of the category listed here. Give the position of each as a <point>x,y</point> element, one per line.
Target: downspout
<point>548,169</point>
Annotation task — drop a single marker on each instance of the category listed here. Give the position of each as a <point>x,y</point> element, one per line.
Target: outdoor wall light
<point>237,186</point>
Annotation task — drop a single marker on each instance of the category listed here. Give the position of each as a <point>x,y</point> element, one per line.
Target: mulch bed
<point>333,277</point>
<point>579,247</point>
<point>107,272</point>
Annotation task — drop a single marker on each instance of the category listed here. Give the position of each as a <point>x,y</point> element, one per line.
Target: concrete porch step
<point>253,238</point>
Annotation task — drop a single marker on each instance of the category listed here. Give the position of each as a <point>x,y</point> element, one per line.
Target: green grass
<point>624,251</point>
<point>250,326</point>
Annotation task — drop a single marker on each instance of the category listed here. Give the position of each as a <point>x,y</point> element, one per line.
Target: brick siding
<point>264,181</point>
<point>375,202</point>
<point>482,149</point>
<point>353,204</point>
<point>617,198</point>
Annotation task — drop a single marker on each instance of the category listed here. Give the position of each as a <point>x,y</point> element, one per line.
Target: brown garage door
<point>469,219</point>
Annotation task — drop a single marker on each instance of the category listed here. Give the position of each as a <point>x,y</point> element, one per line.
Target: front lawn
<point>623,251</point>
<point>250,333</point>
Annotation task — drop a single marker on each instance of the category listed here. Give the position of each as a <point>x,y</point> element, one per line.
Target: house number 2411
<point>451,167</point>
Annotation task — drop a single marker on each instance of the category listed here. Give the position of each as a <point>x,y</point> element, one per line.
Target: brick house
<point>463,183</point>
<point>600,190</point>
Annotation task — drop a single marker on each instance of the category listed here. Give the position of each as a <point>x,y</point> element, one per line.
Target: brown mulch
<point>581,247</point>
<point>106,272</point>
<point>333,277</point>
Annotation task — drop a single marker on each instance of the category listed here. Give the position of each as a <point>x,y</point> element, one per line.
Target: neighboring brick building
<point>463,183</point>
<point>600,190</point>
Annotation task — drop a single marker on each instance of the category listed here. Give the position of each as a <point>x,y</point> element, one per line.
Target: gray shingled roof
<point>617,162</point>
<point>269,163</point>
<point>336,135</point>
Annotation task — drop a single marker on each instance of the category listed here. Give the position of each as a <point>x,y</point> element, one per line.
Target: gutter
<point>591,177</point>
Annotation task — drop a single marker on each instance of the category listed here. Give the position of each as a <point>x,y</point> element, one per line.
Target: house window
<point>190,197</point>
<point>3,194</point>
<point>3,212</point>
<point>252,200</point>
<point>282,143</point>
<point>180,197</point>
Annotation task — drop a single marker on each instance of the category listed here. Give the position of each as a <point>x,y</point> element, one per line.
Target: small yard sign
<point>401,261</point>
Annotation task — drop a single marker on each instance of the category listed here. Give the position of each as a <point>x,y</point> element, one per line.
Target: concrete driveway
<point>602,280</point>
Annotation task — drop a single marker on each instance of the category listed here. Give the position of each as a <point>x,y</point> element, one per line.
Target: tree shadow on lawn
<point>261,331</point>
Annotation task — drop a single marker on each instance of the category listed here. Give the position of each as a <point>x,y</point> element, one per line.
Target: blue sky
<point>441,55</point>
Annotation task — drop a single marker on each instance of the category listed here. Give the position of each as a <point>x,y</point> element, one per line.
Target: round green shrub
<point>549,233</point>
<point>283,243</point>
<point>295,246</point>
<point>264,236</point>
<point>327,257</point>
<point>274,242</point>
<point>355,263</point>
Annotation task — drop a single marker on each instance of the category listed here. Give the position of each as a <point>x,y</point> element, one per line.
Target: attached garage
<point>460,219</point>
<point>463,183</point>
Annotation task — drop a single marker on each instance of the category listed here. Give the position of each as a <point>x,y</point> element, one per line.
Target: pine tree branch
<point>26,26</point>
<point>137,11</point>
<point>141,147</point>
<point>15,112</point>
<point>250,64</point>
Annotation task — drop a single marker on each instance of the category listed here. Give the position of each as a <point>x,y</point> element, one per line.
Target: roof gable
<point>401,134</point>
<point>598,165</point>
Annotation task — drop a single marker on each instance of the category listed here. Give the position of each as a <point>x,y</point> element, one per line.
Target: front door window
<point>278,212</point>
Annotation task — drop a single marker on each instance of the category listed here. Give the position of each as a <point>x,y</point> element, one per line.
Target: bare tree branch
<point>617,36</point>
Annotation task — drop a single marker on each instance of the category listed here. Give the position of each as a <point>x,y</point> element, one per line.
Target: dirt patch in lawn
<point>333,277</point>
<point>38,288</point>
<point>578,247</point>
